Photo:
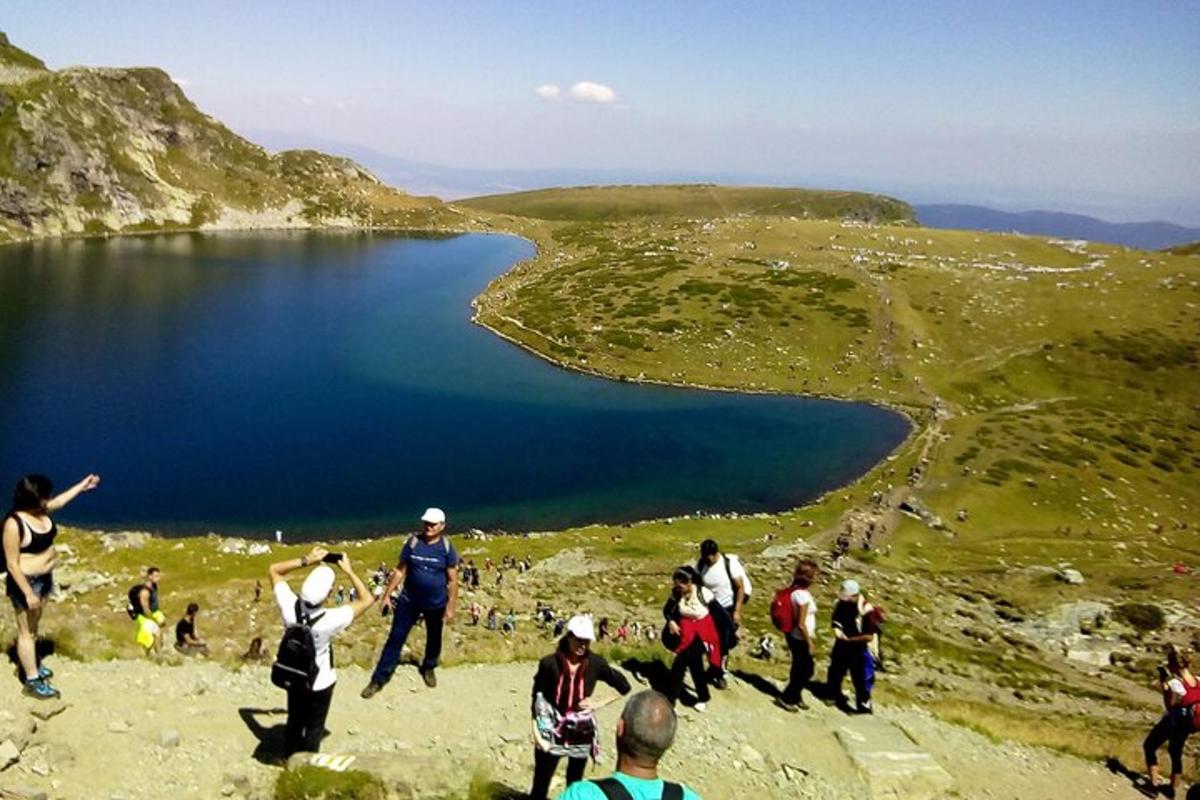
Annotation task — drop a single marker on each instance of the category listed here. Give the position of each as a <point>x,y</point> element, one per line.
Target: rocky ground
<point>136,729</point>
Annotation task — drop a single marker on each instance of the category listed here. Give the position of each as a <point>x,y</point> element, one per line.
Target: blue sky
<point>1081,106</point>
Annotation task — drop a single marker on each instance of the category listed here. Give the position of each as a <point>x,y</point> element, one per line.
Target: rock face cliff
<point>96,150</point>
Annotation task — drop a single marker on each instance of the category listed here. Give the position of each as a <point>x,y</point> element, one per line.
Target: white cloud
<point>308,101</point>
<point>593,92</point>
<point>547,91</point>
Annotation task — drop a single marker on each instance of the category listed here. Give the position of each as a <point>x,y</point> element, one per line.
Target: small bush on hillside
<point>314,783</point>
<point>1144,617</point>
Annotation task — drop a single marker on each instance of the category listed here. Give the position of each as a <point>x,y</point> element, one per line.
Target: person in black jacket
<point>566,679</point>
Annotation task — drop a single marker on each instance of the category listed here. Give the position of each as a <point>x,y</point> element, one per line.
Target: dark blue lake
<point>333,384</point>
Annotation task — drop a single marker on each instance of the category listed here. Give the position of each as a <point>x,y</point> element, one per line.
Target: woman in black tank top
<point>28,550</point>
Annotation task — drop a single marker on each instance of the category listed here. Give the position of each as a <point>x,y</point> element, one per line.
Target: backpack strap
<point>613,790</point>
<point>672,791</point>
<point>728,572</point>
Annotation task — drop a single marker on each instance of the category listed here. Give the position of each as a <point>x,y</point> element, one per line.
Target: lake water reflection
<point>333,384</point>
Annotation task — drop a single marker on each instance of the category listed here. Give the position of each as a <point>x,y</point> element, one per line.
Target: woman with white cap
<point>562,687</point>
<point>308,708</point>
<point>850,648</point>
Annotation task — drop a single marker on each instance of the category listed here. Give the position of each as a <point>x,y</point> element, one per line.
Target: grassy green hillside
<point>616,203</point>
<point>1192,249</point>
<point>93,151</point>
<point>1064,379</point>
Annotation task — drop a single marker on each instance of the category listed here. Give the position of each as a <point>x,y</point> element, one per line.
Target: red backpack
<point>783,612</point>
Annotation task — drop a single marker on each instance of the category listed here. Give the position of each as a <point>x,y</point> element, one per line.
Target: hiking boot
<point>791,708</point>
<point>430,677</point>
<point>370,690</point>
<point>44,672</point>
<point>718,682</point>
<point>864,708</point>
<point>41,690</point>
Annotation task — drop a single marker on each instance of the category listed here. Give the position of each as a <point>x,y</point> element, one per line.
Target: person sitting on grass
<point>186,640</point>
<point>645,731</point>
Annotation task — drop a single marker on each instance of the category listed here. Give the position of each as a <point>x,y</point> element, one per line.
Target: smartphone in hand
<point>333,558</point>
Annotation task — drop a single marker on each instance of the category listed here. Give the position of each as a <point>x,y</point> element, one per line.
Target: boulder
<point>890,762</point>
<point>1071,576</point>
<point>123,539</point>
<point>168,738</point>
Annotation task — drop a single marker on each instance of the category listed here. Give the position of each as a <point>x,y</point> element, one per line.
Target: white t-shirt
<point>716,579</point>
<point>803,597</point>
<point>1175,685</point>
<point>332,622</point>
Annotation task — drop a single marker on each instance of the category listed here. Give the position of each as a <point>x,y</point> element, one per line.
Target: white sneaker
<point>701,707</point>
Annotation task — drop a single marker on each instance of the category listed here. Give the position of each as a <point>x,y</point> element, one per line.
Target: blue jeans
<point>404,616</point>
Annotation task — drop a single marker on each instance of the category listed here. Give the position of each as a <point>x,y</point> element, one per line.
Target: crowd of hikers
<point>702,619</point>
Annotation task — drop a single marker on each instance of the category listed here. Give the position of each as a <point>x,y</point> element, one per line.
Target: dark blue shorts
<point>42,586</point>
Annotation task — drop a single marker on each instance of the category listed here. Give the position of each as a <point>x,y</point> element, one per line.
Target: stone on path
<point>9,754</point>
<point>168,738</point>
<point>890,762</point>
<point>1071,576</point>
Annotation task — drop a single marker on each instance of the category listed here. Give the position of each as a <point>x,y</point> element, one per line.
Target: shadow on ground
<point>45,648</point>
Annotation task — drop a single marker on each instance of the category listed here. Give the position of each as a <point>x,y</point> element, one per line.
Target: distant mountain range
<point>454,183</point>
<point>1141,235</point>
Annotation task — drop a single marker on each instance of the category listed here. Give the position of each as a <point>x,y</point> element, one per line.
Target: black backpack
<point>613,790</point>
<point>295,664</point>
<point>135,601</point>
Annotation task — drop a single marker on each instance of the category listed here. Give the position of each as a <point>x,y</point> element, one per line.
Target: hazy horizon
<point>1091,108</point>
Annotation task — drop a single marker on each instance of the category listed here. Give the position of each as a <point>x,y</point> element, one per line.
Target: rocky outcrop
<point>95,151</point>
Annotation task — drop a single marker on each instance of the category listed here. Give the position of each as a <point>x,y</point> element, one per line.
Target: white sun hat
<point>434,516</point>
<point>580,626</point>
<point>317,585</point>
<point>850,588</point>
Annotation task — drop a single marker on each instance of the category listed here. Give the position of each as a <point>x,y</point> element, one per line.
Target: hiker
<point>308,701</point>
<point>144,611</point>
<point>476,612</point>
<point>726,578</point>
<point>186,640</point>
<point>1181,696</point>
<point>645,731</point>
<point>564,722</point>
<point>255,652</point>
<point>427,569</point>
<point>29,559</point>
<point>851,648</point>
<point>491,619</point>
<point>691,634</point>
<point>257,591</point>
<point>801,629</point>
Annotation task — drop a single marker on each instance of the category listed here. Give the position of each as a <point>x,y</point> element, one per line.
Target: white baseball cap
<point>317,585</point>
<point>580,626</point>
<point>850,588</point>
<point>434,516</point>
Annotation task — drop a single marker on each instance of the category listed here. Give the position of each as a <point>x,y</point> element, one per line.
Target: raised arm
<point>85,485</point>
<point>365,598</point>
<point>281,568</point>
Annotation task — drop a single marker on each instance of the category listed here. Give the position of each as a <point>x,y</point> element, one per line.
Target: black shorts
<point>42,586</point>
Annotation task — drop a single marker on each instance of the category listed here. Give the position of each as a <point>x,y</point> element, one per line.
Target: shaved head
<point>648,723</point>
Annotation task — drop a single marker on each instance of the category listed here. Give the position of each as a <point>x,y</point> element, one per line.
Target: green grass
<point>314,783</point>
<point>617,203</point>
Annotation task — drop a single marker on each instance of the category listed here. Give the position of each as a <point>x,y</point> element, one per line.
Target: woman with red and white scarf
<point>565,681</point>
<point>692,634</point>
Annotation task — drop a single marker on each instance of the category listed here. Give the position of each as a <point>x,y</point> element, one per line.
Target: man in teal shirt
<point>645,732</point>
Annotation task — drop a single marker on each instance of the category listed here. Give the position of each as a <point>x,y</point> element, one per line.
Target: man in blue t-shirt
<point>428,568</point>
<point>645,732</point>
